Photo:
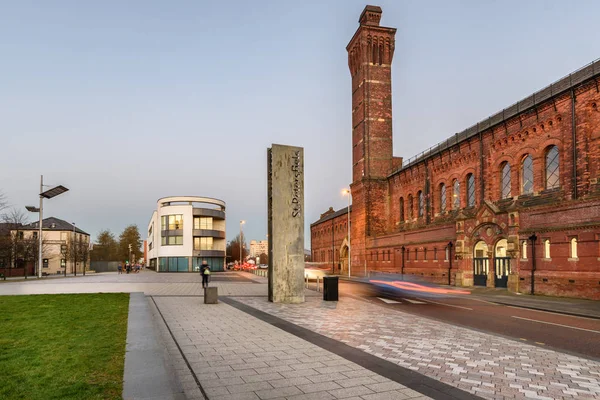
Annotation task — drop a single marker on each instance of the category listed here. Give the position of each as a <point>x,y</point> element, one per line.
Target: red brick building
<point>513,201</point>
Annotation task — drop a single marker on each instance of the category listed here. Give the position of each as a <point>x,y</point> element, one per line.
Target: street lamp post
<point>74,252</point>
<point>242,222</point>
<point>48,194</point>
<point>533,238</point>
<point>349,193</point>
<point>449,263</point>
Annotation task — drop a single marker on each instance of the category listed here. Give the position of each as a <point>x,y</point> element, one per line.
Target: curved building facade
<point>184,231</point>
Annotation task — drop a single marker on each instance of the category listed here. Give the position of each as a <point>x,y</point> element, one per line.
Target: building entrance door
<point>501,264</point>
<point>481,264</point>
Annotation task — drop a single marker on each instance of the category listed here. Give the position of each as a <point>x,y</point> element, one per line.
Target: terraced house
<point>513,201</point>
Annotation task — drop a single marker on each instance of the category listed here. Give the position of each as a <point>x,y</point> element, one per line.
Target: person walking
<point>205,271</point>
<point>120,269</point>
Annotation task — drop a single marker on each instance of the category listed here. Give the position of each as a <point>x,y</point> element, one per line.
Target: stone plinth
<point>211,295</point>
<point>285,166</point>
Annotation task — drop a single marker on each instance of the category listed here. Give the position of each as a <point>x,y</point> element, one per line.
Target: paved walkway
<point>236,356</point>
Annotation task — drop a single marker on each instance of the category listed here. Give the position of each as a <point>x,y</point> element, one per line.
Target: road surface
<point>575,335</point>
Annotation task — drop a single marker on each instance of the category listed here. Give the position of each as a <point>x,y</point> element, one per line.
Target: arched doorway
<point>343,264</point>
<point>501,263</point>
<point>481,264</point>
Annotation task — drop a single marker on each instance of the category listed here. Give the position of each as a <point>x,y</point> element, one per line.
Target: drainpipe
<point>449,263</point>
<point>574,141</point>
<point>533,238</point>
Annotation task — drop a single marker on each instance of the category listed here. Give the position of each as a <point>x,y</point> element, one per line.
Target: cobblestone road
<point>490,366</point>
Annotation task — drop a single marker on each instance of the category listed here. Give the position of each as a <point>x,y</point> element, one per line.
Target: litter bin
<point>330,288</point>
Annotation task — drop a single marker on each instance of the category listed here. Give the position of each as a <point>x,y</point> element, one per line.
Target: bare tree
<point>12,242</point>
<point>3,201</point>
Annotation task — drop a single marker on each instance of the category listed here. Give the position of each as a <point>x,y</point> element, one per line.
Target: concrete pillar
<point>285,166</point>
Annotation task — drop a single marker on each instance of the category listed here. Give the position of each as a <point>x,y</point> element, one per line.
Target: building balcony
<point>209,233</point>
<point>209,253</point>
<point>206,212</point>
<point>172,232</point>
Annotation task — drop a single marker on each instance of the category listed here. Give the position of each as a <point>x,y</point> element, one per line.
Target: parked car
<point>263,266</point>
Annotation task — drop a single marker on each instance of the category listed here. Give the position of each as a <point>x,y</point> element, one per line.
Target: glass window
<point>573,247</point>
<point>527,175</point>
<point>401,209</point>
<point>552,168</point>
<point>410,206</point>
<point>442,198</point>
<point>203,223</point>
<point>470,190</point>
<point>421,203</point>
<point>524,249</point>
<point>163,222</point>
<point>171,240</point>
<point>175,221</point>
<point>505,181</point>
<point>547,248</point>
<point>456,195</point>
<point>63,263</point>
<point>203,243</point>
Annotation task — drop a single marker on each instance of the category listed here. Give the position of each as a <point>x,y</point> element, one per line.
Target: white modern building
<point>258,247</point>
<point>184,231</point>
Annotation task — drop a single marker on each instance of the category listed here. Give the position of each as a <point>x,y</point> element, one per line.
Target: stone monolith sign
<point>285,166</point>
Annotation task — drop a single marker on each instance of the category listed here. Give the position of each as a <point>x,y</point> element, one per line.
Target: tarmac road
<point>577,335</point>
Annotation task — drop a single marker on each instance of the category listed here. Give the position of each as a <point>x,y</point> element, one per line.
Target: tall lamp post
<point>533,238</point>
<point>48,194</point>
<point>349,193</point>
<point>242,222</point>
<point>449,263</point>
<point>74,251</point>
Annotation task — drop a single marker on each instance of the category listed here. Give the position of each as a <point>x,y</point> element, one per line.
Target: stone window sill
<point>573,259</point>
<point>546,259</point>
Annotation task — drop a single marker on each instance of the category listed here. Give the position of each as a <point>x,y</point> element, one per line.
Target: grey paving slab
<point>487,365</point>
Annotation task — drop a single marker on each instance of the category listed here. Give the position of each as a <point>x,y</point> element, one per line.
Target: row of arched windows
<point>551,179</point>
<point>443,199</point>
<point>551,174</point>
<point>339,227</point>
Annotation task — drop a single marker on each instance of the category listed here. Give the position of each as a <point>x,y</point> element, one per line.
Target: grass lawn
<point>65,346</point>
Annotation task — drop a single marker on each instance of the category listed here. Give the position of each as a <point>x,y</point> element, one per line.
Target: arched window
<point>401,209</point>
<point>470,190</point>
<point>527,175</point>
<point>442,198</point>
<point>505,181</point>
<point>421,203</point>
<point>407,254</point>
<point>573,247</point>
<point>456,195</point>
<point>410,206</point>
<point>524,249</point>
<point>547,248</point>
<point>552,168</point>
<point>425,255</point>
<point>416,254</point>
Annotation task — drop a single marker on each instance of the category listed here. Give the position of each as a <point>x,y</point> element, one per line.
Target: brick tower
<point>370,54</point>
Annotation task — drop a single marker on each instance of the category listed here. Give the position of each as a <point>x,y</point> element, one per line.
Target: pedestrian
<point>120,269</point>
<point>205,271</point>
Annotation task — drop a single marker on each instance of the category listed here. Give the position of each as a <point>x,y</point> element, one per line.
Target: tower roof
<point>371,15</point>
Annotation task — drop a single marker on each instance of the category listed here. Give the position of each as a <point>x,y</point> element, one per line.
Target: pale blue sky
<point>127,102</point>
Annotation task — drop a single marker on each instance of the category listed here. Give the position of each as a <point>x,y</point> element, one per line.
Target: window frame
<point>555,174</point>
<point>527,169</point>
<point>471,197</point>
<point>505,181</point>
